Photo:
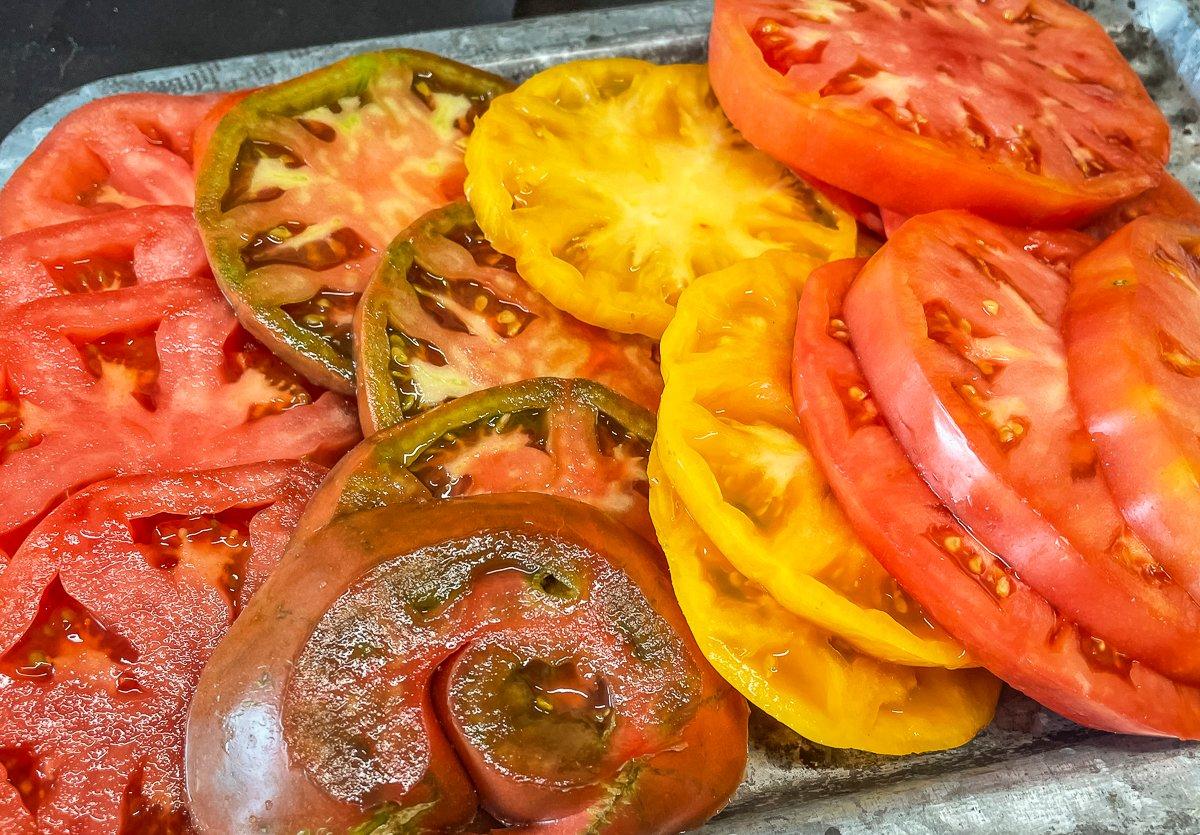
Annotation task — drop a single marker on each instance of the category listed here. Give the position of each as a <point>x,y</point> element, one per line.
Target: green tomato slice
<point>305,183</point>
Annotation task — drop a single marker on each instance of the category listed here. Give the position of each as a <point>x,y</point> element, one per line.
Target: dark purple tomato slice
<point>571,438</point>
<point>520,653</point>
<point>158,377</point>
<point>304,184</point>
<point>107,251</point>
<point>107,615</point>
<point>957,329</point>
<point>1004,623</point>
<point>1133,353</point>
<point>111,154</point>
<point>446,314</point>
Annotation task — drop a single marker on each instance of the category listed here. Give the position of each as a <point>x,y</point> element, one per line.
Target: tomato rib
<point>113,153</point>
<point>107,615</point>
<point>969,590</point>
<point>957,331</point>
<point>446,314</point>
<point>1133,352</point>
<point>521,653</point>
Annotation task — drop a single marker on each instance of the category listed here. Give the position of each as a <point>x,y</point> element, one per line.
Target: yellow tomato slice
<point>614,183</point>
<point>733,450</point>
<point>805,676</point>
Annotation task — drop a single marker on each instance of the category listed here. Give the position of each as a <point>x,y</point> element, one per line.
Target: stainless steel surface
<point>1031,771</point>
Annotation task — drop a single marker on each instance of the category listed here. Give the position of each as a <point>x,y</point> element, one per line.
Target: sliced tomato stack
<point>933,382</point>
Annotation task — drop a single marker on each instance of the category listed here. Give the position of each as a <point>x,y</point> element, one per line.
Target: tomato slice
<point>807,677</point>
<point>107,615</point>
<point>615,182</point>
<point>527,646</point>
<point>957,330</point>
<point>1023,111</point>
<point>1133,352</point>
<point>1007,625</point>
<point>571,438</point>
<point>104,252</point>
<point>118,152</point>
<point>1169,199</point>
<point>734,452</point>
<point>445,315</point>
<point>153,377</point>
<point>304,185</point>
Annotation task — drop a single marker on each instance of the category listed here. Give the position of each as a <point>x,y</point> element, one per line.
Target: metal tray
<point>1030,771</point>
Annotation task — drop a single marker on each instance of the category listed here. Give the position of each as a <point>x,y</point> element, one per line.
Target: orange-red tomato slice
<point>114,153</point>
<point>1022,110</point>
<point>957,331</point>
<point>1004,623</point>
<point>1133,353</point>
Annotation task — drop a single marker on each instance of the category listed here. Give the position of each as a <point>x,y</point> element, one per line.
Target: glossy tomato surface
<point>109,612</point>
<point>957,330</point>
<point>114,153</point>
<point>1021,111</point>
<point>446,314</point>
<point>305,183</point>
<point>519,653</point>
<point>1005,624</point>
<point>614,183</point>
<point>1133,352</point>
<point>105,252</point>
<point>149,377</point>
<point>571,438</point>
<point>1170,200</point>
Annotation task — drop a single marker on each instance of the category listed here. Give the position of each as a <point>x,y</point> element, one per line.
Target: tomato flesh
<point>109,613</point>
<point>957,331</point>
<point>1170,199</point>
<point>145,378</point>
<point>571,438</point>
<point>446,314</point>
<point>112,154</point>
<point>304,184</point>
<point>1022,111</point>
<point>431,664</point>
<point>1133,352</point>
<point>1007,625</point>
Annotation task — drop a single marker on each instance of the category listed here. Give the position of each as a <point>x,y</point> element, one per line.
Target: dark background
<point>50,46</point>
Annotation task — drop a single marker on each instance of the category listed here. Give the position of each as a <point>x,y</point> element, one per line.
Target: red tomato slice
<point>1169,199</point>
<point>204,131</point>
<point>118,152</point>
<point>1057,248</point>
<point>1005,625</point>
<point>957,330</point>
<point>104,252</point>
<point>159,377</point>
<point>107,616</point>
<point>520,652</point>
<point>1021,110</point>
<point>1133,352</point>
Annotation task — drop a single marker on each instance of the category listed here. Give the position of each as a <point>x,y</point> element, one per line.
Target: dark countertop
<point>48,47</point>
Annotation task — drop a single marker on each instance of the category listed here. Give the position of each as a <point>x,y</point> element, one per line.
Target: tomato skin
<point>125,150</point>
<point>426,291</point>
<point>1169,199</point>
<point>89,735</point>
<point>170,399</point>
<point>143,245</point>
<point>1017,635</point>
<point>485,556</point>
<point>562,456</point>
<point>1039,501</point>
<point>204,131</point>
<point>1134,388</point>
<point>899,169</point>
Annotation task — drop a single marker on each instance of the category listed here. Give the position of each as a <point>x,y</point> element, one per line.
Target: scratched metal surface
<point>1030,771</point>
